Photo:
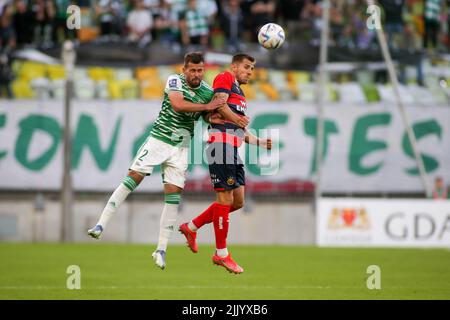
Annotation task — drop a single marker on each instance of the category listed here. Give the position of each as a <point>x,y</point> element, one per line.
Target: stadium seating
<point>22,89</point>
<point>249,91</point>
<point>58,88</point>
<point>55,72</point>
<point>35,80</point>
<point>85,89</point>
<point>101,89</point>
<point>42,87</point>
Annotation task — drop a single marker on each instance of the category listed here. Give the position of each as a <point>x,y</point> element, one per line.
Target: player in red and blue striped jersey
<point>225,166</point>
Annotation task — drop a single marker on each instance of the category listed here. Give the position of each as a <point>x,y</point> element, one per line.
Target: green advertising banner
<point>366,149</point>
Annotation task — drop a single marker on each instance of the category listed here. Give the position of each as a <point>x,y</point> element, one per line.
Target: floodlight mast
<point>321,83</point>
<point>68,58</point>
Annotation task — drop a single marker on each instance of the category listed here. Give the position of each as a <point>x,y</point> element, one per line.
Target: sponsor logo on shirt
<point>173,83</point>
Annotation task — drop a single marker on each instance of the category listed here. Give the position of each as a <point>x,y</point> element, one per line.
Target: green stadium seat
<point>371,92</point>
<point>332,93</point>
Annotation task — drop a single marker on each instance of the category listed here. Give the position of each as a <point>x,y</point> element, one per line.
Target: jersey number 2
<point>144,153</point>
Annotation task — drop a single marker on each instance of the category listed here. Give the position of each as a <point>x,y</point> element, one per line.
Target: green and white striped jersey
<point>177,128</point>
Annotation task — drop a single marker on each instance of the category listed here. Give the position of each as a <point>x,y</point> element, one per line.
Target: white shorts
<point>173,161</point>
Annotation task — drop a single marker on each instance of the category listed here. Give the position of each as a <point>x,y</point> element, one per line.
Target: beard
<point>194,82</point>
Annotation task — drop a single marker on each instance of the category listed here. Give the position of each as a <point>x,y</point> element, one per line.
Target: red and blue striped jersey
<point>229,132</point>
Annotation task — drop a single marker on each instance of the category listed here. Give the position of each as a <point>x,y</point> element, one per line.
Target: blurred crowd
<point>412,24</point>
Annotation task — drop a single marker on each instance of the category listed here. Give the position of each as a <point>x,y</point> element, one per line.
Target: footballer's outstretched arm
<point>180,105</point>
<point>252,139</point>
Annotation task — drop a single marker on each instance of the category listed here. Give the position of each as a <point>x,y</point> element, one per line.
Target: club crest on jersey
<point>230,181</point>
<point>191,93</point>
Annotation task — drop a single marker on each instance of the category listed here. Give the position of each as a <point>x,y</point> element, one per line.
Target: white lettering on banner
<point>391,222</point>
<point>365,149</point>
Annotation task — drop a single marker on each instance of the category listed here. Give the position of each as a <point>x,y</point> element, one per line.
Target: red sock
<point>205,217</point>
<point>221,222</point>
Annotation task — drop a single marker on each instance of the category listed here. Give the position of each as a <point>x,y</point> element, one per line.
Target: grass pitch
<point>122,271</point>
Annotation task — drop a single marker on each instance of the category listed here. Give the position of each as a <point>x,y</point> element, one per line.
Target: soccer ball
<point>271,36</point>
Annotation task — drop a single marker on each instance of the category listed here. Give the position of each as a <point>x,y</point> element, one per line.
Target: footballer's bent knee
<point>137,176</point>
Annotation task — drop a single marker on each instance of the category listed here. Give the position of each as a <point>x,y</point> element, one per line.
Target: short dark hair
<point>239,57</point>
<point>193,57</point>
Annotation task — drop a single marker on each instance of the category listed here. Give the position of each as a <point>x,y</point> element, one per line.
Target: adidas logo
<point>113,204</point>
<point>170,228</point>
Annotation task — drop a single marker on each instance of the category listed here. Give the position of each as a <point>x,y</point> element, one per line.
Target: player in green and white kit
<point>186,97</point>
